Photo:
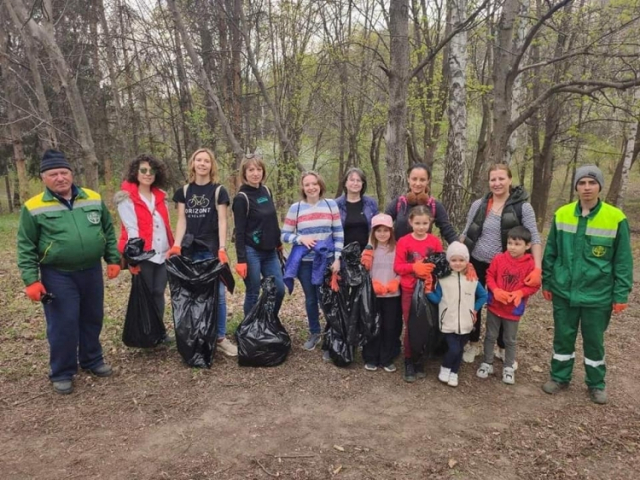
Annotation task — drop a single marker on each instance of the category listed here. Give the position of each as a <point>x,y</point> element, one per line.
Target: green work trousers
<point>593,322</point>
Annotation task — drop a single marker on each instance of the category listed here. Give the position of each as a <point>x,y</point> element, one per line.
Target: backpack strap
<point>247,199</point>
<point>184,191</point>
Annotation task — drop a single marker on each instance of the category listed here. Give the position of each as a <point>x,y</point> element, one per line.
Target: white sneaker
<point>471,351</point>
<point>508,376</point>
<point>499,354</point>
<point>444,374</point>
<point>228,348</point>
<point>453,380</point>
<point>485,370</point>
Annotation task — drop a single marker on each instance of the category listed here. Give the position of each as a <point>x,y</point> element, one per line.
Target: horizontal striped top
<point>317,221</point>
<point>490,242</point>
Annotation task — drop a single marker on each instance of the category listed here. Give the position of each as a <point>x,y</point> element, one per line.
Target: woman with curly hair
<point>143,212</point>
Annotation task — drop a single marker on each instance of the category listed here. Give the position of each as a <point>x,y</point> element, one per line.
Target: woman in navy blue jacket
<point>356,208</point>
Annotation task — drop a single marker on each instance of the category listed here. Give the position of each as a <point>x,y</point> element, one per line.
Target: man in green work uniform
<point>587,272</point>
<point>63,233</point>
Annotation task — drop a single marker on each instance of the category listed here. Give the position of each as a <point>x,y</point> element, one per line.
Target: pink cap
<point>382,219</point>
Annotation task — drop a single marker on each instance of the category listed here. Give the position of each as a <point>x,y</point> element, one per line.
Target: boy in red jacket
<point>507,297</point>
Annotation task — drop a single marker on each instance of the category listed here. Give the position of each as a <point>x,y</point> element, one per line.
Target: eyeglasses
<point>145,170</point>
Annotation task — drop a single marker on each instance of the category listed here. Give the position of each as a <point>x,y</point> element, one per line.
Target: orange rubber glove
<point>379,289</point>
<point>501,296</point>
<point>423,270</point>
<point>471,274</point>
<point>393,286</point>
<point>134,269</point>
<point>222,256</point>
<point>428,284</point>
<point>367,259</point>
<point>547,295</point>
<point>175,250</point>
<point>516,297</point>
<point>534,279</point>
<point>35,291</point>
<point>334,281</point>
<point>241,269</point>
<point>112,271</point>
<point>619,307</point>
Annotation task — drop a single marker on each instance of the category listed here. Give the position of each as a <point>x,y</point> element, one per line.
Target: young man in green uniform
<point>587,273</point>
<point>62,235</point>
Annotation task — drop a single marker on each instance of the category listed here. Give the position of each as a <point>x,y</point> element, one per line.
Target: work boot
<point>409,371</point>
<point>63,387</point>
<point>598,395</point>
<point>419,367</point>
<point>552,387</point>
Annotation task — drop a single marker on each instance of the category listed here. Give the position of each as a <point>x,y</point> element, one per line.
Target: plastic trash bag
<point>143,325</point>
<point>262,339</point>
<point>425,337</point>
<point>194,299</point>
<point>134,252</point>
<point>336,311</point>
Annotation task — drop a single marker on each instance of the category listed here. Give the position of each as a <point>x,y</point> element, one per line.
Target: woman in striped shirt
<point>489,220</point>
<point>310,221</point>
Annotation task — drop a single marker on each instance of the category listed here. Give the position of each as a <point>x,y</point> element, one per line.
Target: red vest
<point>144,216</point>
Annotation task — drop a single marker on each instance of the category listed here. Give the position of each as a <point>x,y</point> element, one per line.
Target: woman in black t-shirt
<point>356,208</point>
<point>201,232</point>
<point>257,233</point>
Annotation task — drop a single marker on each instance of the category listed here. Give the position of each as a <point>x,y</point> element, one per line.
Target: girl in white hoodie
<point>458,302</point>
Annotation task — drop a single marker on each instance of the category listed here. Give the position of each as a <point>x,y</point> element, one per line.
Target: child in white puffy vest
<point>458,302</point>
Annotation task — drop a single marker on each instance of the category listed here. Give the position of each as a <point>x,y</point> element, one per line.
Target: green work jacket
<point>49,233</point>
<point>588,260</point>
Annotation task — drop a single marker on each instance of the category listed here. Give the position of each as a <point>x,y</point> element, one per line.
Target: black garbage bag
<point>336,311</point>
<point>143,326</point>
<point>425,337</point>
<point>364,324</point>
<point>134,252</point>
<point>194,299</point>
<point>262,339</point>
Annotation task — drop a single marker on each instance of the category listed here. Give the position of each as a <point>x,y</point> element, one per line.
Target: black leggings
<point>481,271</point>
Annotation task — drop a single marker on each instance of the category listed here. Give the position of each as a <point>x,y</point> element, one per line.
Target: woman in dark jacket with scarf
<point>356,208</point>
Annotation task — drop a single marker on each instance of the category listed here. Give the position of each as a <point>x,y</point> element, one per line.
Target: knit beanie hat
<point>53,159</point>
<point>589,171</point>
<point>457,249</point>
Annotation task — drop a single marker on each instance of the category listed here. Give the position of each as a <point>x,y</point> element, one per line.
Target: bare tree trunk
<point>128,76</point>
<point>122,142</point>
<point>50,140</point>
<point>619,182</point>
<point>197,64</point>
<point>374,156</point>
<point>46,36</point>
<point>452,192</point>
<point>398,74</point>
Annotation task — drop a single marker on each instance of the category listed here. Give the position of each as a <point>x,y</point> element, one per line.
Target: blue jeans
<point>311,296</point>
<point>265,263</point>
<point>74,319</point>
<point>222,299</point>
<point>455,344</point>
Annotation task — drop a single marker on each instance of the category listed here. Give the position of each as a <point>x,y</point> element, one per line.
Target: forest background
<point>325,85</point>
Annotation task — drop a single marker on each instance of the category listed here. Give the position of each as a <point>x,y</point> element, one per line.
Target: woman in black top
<point>356,208</point>
<point>419,179</point>
<point>257,233</point>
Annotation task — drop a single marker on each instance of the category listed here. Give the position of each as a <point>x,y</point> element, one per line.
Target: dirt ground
<point>158,419</point>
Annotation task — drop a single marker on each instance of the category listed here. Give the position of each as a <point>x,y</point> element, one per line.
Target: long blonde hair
<point>214,166</point>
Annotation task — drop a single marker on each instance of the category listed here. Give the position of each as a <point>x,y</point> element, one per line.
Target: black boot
<point>409,371</point>
<point>419,367</point>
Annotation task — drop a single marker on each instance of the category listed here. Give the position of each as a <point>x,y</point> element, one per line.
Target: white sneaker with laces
<point>453,380</point>
<point>508,376</point>
<point>444,374</point>
<point>228,348</point>
<point>485,370</point>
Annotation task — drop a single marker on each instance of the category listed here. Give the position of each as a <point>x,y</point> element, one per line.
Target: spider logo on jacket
<point>510,281</point>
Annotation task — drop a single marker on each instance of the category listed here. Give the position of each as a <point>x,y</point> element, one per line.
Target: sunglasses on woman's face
<point>145,171</point>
